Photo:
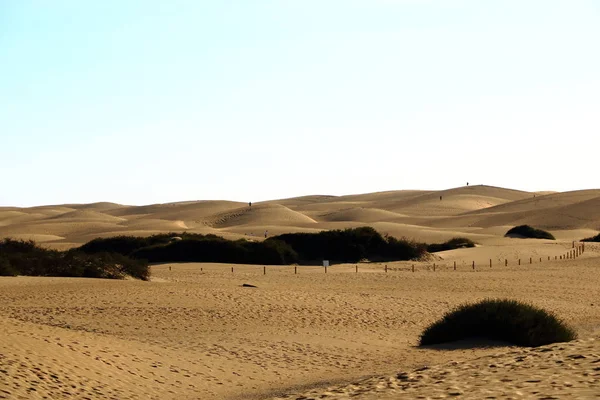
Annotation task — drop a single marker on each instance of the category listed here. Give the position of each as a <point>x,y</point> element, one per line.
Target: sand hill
<point>468,211</point>
<point>194,332</point>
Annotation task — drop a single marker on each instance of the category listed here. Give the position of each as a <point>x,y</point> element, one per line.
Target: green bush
<point>506,320</point>
<point>592,239</point>
<point>126,245</point>
<point>6,269</point>
<point>454,243</point>
<point>26,258</point>
<point>527,231</point>
<point>350,245</point>
<point>212,248</point>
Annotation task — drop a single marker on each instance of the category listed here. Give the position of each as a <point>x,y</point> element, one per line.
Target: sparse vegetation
<point>527,231</point>
<point>592,239</point>
<point>454,243</point>
<point>507,320</point>
<point>18,257</point>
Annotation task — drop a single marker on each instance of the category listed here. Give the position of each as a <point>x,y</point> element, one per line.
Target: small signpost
<point>326,264</point>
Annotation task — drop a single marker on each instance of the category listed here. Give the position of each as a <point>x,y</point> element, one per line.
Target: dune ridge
<point>470,210</point>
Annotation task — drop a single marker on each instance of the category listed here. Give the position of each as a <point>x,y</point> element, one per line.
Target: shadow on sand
<point>470,343</point>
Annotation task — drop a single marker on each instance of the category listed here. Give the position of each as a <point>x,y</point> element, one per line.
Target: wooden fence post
<point>455,265</point>
<point>506,262</point>
<point>473,264</point>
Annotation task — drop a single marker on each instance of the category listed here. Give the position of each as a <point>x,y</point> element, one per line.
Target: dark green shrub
<point>350,245</point>
<point>527,231</point>
<point>592,239</point>
<point>124,245</point>
<point>506,320</point>
<point>212,248</point>
<point>26,258</point>
<point>454,243</point>
<point>6,269</point>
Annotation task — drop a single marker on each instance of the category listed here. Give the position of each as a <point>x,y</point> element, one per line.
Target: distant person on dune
<point>250,204</point>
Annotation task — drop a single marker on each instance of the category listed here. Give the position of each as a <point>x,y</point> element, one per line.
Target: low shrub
<point>454,243</point>
<point>592,239</point>
<point>124,245</point>
<point>19,257</point>
<point>216,249</point>
<point>527,231</point>
<point>6,269</point>
<point>350,245</point>
<point>506,320</point>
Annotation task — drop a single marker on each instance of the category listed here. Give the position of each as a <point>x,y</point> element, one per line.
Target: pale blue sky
<point>145,101</point>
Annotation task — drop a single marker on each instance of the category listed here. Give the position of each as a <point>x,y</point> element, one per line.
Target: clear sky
<point>141,102</point>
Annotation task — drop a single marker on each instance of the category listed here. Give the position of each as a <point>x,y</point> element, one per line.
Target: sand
<point>193,331</point>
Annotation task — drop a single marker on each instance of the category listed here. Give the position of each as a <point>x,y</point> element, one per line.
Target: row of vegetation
<point>337,246</point>
<point>19,257</point>
<point>120,256</point>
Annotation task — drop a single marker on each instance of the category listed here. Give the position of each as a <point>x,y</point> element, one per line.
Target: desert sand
<point>193,331</point>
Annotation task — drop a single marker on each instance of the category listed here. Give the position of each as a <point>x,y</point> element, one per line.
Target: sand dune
<point>454,201</point>
<point>560,213</point>
<point>156,224</point>
<point>541,202</point>
<point>264,214</point>
<point>101,206</point>
<point>470,210</point>
<point>86,215</point>
<point>360,214</point>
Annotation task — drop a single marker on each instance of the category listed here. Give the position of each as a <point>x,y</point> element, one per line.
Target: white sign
<point>326,263</point>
